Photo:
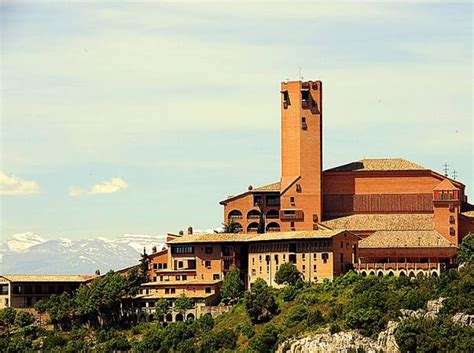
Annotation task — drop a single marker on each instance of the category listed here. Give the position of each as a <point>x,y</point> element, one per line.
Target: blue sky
<point>149,114</point>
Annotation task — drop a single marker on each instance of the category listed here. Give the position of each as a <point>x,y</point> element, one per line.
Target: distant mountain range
<point>33,254</point>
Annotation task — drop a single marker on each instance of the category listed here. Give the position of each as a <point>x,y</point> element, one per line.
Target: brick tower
<point>301,155</point>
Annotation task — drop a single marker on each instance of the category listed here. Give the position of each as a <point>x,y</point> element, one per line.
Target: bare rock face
<point>463,319</point>
<point>432,309</point>
<point>386,339</point>
<point>341,342</point>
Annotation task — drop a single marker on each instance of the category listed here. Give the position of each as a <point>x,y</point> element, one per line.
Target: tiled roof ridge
<point>378,164</point>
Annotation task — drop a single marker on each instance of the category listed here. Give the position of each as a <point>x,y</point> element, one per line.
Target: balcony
<point>398,266</point>
<point>253,214</point>
<point>273,214</point>
<point>291,215</point>
<point>273,202</point>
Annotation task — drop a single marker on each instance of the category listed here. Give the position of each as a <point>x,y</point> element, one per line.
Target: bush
<point>23,319</point>
<point>289,293</point>
<point>266,341</point>
<point>296,315</point>
<point>246,329</point>
<point>466,249</point>
<point>225,339</point>
<point>118,343</point>
<point>314,318</point>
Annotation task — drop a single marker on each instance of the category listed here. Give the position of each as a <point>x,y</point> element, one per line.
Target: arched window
<point>273,227</point>
<point>273,214</point>
<point>253,214</point>
<point>235,214</point>
<point>252,227</point>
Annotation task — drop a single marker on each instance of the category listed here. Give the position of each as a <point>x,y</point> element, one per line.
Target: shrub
<point>225,339</point>
<point>23,319</point>
<point>246,329</point>
<point>266,341</point>
<point>296,315</point>
<point>314,318</point>
<point>466,249</point>
<point>232,287</point>
<point>289,293</point>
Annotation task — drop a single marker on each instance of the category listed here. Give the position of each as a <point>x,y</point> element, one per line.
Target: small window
<point>276,259</point>
<point>215,276</point>
<point>305,95</point>
<point>314,256</point>
<point>167,291</point>
<point>253,261</point>
<point>298,188</point>
<point>292,200</point>
<point>304,126</point>
<point>178,278</point>
<point>254,273</point>
<point>315,268</point>
<point>208,264</point>
<point>303,255</point>
<point>304,268</point>
<point>452,231</point>
<point>173,290</point>
<point>325,257</point>
<point>260,269</point>
<point>208,290</point>
<point>292,258</point>
<point>155,266</point>
<point>184,277</point>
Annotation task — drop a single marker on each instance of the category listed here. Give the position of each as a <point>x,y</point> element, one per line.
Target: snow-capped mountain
<point>31,253</point>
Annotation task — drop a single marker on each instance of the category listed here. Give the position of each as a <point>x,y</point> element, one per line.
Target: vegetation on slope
<point>265,317</point>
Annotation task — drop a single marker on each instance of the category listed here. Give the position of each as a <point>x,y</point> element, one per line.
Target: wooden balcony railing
<point>398,266</point>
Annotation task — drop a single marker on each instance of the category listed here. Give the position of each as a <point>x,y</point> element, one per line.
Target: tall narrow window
<point>304,126</point>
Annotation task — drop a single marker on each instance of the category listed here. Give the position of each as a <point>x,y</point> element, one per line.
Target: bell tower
<point>301,155</point>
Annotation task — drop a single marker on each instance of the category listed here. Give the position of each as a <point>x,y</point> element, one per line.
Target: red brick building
<point>395,192</point>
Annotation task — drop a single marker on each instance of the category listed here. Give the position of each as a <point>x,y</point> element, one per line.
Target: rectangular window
<point>155,266</point>
<point>173,290</point>
<point>183,249</point>
<point>292,200</point>
<point>215,276</point>
<point>178,278</point>
<point>208,290</point>
<point>314,256</point>
<point>260,269</point>
<point>192,264</point>
<point>184,277</point>
<point>4,289</point>
<point>167,291</point>
<point>315,268</point>
<point>254,273</point>
<point>208,264</point>
<point>253,261</point>
<point>325,257</point>
<point>292,258</point>
<point>304,268</point>
<point>276,259</point>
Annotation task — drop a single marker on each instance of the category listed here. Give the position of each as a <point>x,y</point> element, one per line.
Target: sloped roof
<point>405,239</point>
<point>383,164</point>
<point>373,222</point>
<point>270,187</point>
<point>446,184</point>
<point>192,282</point>
<point>49,278</point>
<point>239,237</point>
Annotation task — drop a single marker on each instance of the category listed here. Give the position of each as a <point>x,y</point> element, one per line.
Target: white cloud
<point>107,187</point>
<point>12,185</point>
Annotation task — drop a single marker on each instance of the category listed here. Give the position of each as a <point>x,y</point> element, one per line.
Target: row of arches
<point>253,227</point>
<point>170,317</point>
<point>271,214</point>
<point>401,273</point>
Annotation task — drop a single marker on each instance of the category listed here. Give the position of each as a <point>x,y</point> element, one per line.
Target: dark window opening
<point>304,126</point>
<point>305,95</point>
<point>292,258</point>
<point>208,289</point>
<point>292,201</point>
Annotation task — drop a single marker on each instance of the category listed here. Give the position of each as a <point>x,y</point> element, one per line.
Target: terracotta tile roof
<point>232,238</point>
<point>446,184</point>
<point>192,282</point>
<point>405,239</point>
<point>385,164</point>
<point>48,278</point>
<point>270,187</point>
<point>371,222</point>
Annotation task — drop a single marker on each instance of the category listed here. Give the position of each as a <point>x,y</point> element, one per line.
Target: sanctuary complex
<point>386,216</point>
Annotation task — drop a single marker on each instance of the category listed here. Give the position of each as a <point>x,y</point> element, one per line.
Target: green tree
<point>23,319</point>
<point>7,318</point>
<point>134,280</point>
<point>466,249</point>
<point>233,286</point>
<point>61,310</point>
<point>162,307</point>
<point>288,273</point>
<point>266,341</point>
<point>230,227</point>
<point>144,261</point>
<point>260,302</point>
<point>183,303</point>
<point>41,307</point>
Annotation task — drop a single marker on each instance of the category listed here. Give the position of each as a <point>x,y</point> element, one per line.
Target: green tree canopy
<point>466,249</point>
<point>288,273</point>
<point>233,286</point>
<point>183,303</point>
<point>162,307</point>
<point>230,227</point>
<point>260,302</point>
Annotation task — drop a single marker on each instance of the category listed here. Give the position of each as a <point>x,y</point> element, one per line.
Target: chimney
<point>153,250</point>
<point>250,188</point>
<point>97,272</point>
<point>190,230</point>
<point>181,232</point>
